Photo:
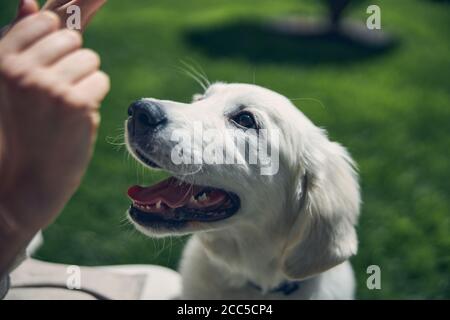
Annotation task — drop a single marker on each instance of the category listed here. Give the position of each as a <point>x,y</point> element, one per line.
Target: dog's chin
<point>164,229</point>
<point>177,207</point>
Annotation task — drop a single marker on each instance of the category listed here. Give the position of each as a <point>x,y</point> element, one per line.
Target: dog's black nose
<point>146,115</point>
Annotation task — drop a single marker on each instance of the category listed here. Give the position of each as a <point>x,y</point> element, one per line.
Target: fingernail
<point>20,9</point>
<point>25,7</point>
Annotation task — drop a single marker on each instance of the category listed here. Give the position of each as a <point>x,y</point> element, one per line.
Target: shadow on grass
<point>259,43</point>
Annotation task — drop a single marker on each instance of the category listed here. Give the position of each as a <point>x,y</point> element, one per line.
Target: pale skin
<point>50,93</point>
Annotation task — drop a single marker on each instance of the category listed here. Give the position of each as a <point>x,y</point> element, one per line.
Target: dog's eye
<point>246,120</point>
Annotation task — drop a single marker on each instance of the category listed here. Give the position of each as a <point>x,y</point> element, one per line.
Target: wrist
<point>9,228</point>
<point>12,226</point>
<point>11,231</point>
<point>18,214</point>
<point>13,239</point>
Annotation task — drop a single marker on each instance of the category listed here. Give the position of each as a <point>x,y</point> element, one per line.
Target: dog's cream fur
<point>296,225</point>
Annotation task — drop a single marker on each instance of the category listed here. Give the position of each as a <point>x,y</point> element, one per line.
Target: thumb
<point>26,7</point>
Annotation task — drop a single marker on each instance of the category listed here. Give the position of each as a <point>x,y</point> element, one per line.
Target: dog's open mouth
<point>173,203</point>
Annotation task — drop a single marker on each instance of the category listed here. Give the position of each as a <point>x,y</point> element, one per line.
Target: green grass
<point>390,109</point>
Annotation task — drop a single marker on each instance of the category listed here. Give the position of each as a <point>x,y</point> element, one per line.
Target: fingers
<point>90,91</point>
<point>88,8</point>
<point>54,4</point>
<point>90,12</point>
<point>76,66</point>
<point>52,47</point>
<point>28,31</point>
<point>40,55</point>
<point>26,8</point>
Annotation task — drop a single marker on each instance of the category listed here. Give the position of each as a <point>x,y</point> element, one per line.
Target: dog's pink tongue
<point>173,192</point>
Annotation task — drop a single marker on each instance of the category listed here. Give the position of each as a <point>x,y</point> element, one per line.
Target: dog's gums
<point>172,203</point>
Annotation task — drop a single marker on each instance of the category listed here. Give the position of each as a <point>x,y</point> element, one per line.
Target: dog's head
<point>242,154</point>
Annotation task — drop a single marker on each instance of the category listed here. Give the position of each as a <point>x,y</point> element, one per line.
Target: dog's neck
<point>246,254</point>
<point>253,251</point>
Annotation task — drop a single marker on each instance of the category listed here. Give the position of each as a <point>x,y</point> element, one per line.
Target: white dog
<point>286,235</point>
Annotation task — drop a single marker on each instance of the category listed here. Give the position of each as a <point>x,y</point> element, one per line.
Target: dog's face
<point>244,121</point>
<point>296,170</point>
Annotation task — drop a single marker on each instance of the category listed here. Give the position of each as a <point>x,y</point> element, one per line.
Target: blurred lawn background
<point>390,109</point>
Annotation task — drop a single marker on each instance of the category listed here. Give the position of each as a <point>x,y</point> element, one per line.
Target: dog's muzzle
<point>145,117</point>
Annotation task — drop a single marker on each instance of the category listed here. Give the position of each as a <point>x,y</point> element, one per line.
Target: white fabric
<point>160,283</point>
<point>125,282</point>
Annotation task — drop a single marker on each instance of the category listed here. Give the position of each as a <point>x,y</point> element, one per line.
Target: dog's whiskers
<point>196,75</point>
<point>199,71</point>
<point>191,75</point>
<point>118,140</point>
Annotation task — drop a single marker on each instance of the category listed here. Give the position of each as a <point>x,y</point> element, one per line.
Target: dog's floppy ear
<point>323,234</point>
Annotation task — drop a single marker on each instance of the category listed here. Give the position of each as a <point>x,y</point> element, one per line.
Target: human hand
<point>50,91</point>
<point>88,9</point>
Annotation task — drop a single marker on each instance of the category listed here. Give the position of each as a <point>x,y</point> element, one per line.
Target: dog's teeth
<point>203,197</point>
<point>158,205</point>
<point>192,199</point>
